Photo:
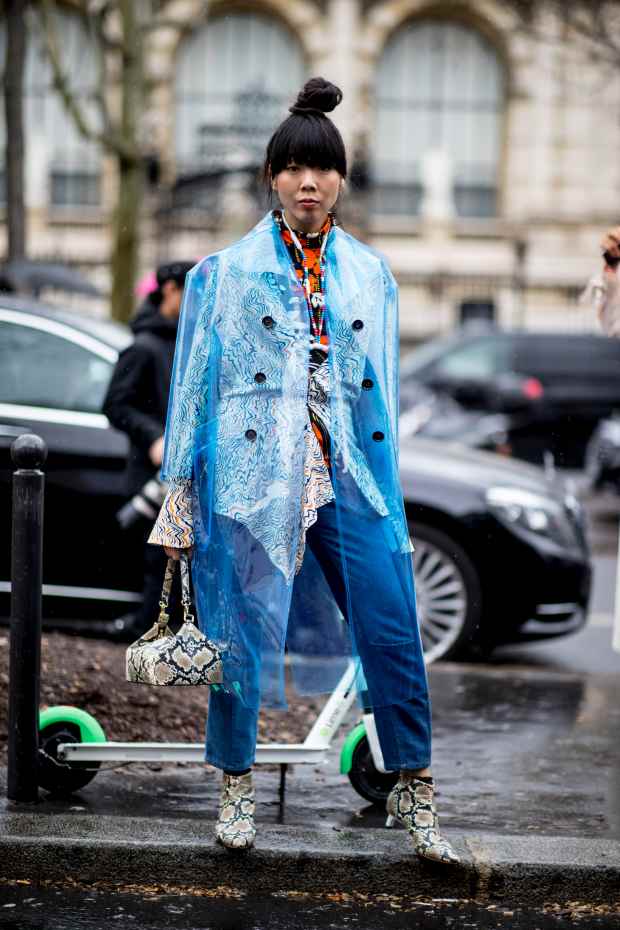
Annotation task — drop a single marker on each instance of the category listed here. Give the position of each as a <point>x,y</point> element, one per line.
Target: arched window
<point>57,156</point>
<point>235,78</point>
<point>440,85</point>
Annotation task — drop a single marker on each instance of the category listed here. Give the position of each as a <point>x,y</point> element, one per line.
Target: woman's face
<point>307,194</point>
<point>172,296</point>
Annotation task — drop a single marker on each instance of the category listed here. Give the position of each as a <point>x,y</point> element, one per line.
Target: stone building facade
<point>484,158</point>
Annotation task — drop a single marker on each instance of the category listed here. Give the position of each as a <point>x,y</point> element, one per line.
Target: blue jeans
<point>376,591</point>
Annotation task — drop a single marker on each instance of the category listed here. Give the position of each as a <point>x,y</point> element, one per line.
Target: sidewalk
<point>527,763</point>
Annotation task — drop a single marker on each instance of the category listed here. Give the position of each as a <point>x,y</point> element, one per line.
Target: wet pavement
<point>517,750</point>
<point>527,762</point>
<point>27,908</point>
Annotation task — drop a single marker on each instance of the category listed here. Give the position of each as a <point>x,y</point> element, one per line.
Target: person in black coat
<point>137,402</point>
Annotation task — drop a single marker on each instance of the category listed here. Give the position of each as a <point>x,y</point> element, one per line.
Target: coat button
<point>268,321</point>
<point>250,434</point>
<point>377,435</point>
<point>357,324</point>
<point>259,377</point>
<point>368,383</point>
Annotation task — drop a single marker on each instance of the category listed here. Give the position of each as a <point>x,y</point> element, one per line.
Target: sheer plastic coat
<point>240,439</point>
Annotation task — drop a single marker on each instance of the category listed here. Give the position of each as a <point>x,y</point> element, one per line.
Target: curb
<point>124,850</point>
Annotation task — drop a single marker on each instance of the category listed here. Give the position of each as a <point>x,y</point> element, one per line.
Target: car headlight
<point>533,512</point>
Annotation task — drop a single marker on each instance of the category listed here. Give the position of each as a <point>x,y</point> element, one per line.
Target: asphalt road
<point>72,909</point>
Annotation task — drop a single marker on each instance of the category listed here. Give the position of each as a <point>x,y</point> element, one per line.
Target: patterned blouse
<point>174,525</point>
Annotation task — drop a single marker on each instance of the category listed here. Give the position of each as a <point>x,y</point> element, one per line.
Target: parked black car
<point>500,550</point>
<point>554,387</point>
<point>54,372</point>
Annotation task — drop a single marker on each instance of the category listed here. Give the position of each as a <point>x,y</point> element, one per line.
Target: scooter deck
<point>182,752</point>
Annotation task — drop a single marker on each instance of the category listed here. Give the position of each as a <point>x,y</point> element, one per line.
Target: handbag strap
<point>186,597</point>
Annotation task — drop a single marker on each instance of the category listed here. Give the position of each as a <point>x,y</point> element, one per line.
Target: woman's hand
<point>173,553</point>
<point>156,452</point>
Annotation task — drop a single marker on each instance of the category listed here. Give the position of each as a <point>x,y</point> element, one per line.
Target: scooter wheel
<point>55,775</point>
<point>367,780</point>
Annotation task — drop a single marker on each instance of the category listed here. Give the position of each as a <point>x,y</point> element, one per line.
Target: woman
<point>604,289</point>
<point>282,457</point>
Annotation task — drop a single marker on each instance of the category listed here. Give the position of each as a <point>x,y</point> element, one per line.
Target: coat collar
<point>351,267</point>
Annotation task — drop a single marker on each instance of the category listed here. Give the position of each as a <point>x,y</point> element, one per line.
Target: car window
<point>40,369</point>
<point>423,357</point>
<point>477,360</point>
<point>593,357</point>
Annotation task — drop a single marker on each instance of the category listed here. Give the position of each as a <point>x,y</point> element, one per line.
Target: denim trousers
<point>374,587</point>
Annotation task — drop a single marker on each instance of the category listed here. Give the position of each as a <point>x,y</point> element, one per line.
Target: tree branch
<point>597,34</point>
<point>588,21</point>
<point>110,139</point>
<point>99,95</point>
<point>177,24</point>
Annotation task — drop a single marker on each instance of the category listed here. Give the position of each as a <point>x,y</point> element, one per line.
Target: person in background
<point>603,290</point>
<point>137,402</point>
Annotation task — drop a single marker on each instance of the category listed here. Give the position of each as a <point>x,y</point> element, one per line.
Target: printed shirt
<point>174,525</point>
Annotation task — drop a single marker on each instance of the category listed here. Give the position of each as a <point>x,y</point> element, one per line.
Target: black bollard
<point>29,453</point>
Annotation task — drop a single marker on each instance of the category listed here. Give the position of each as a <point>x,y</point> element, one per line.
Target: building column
<point>340,63</point>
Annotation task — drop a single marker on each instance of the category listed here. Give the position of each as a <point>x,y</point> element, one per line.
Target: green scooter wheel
<point>65,725</point>
<point>364,776</point>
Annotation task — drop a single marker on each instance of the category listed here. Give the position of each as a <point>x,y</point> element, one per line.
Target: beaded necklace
<point>314,299</point>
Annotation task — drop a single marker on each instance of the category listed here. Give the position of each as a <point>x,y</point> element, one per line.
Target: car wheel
<point>448,594</point>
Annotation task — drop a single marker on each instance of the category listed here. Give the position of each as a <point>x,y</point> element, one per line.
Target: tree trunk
<point>125,258</point>
<point>14,120</point>
<point>126,242</point>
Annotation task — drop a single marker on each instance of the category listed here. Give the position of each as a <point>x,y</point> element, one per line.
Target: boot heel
<point>390,820</point>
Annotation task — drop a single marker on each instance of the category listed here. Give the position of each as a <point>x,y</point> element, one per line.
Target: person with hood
<point>137,401</point>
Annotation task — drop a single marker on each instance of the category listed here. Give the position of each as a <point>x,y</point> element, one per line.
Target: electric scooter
<point>73,746</point>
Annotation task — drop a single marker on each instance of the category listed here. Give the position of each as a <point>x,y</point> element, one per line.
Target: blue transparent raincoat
<point>241,441</point>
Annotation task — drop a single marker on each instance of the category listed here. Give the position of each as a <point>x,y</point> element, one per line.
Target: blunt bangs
<point>309,139</point>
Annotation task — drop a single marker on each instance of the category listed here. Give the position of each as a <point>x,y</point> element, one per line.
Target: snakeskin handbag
<point>161,657</point>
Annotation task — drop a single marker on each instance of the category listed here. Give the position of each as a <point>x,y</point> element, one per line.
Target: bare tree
<point>14,122</point>
<point>121,30</point>
<point>595,24</point>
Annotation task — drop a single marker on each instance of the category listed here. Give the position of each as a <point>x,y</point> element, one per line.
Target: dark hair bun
<point>317,96</point>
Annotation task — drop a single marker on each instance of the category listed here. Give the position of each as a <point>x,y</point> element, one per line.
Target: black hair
<point>308,136</point>
<point>171,271</point>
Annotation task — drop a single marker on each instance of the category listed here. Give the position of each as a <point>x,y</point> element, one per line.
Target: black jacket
<point>137,398</point>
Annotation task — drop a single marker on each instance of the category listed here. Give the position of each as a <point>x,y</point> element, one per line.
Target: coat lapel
<point>352,278</point>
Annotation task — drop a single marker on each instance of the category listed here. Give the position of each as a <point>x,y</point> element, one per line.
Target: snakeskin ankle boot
<point>411,802</point>
<point>235,825</point>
